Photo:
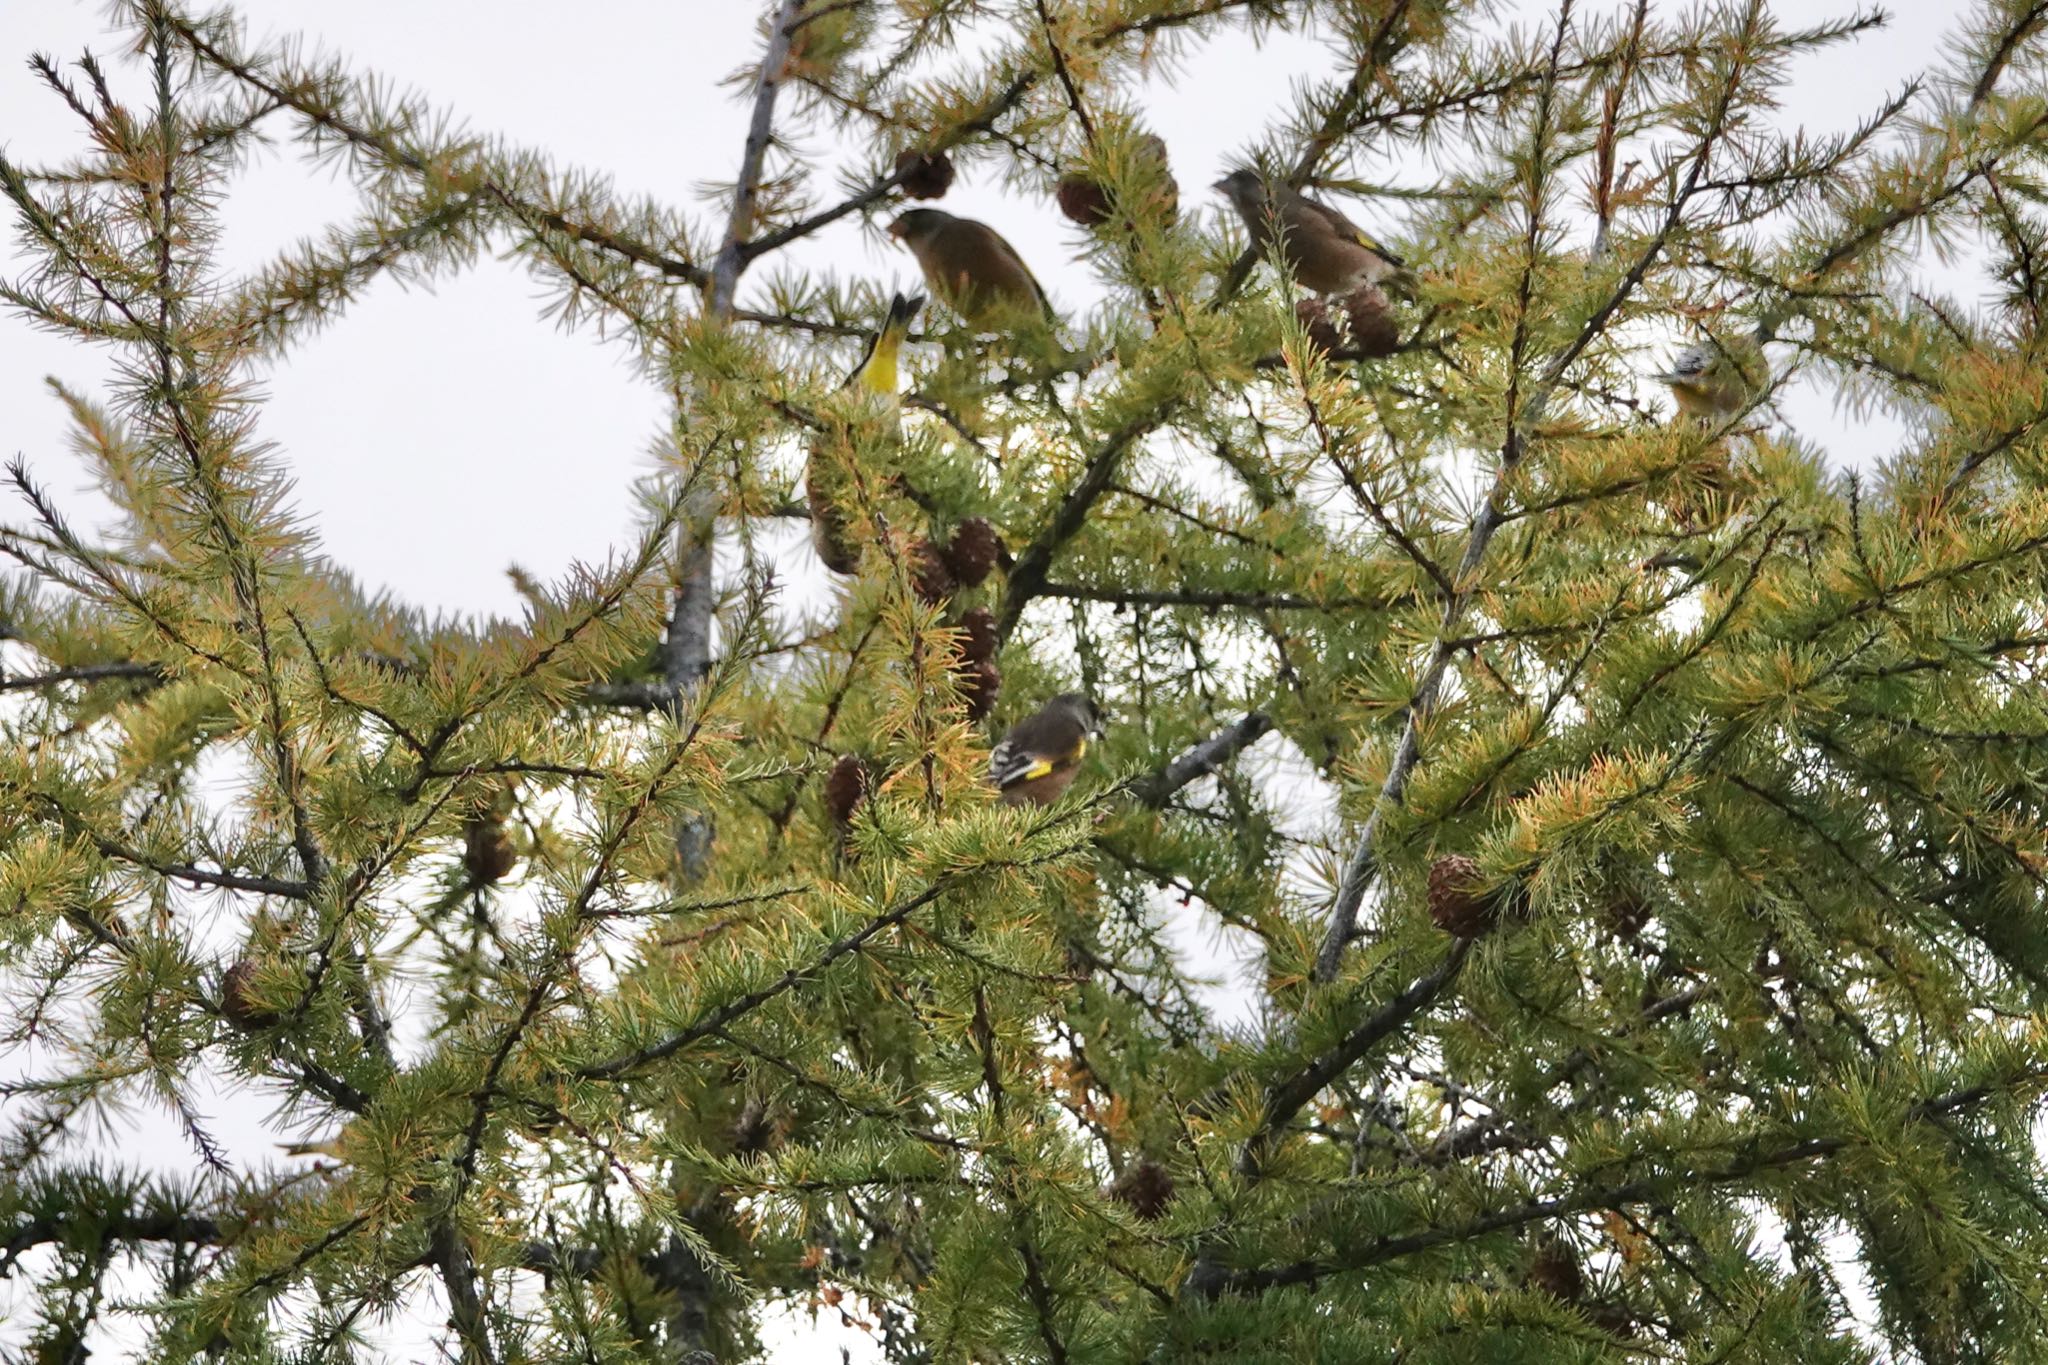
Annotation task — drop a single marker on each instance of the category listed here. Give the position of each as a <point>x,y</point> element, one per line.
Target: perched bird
<point>1037,761</point>
<point>973,270</point>
<point>1327,252</point>
<point>1713,382</point>
<point>873,381</point>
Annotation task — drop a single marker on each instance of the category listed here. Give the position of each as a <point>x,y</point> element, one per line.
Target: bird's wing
<point>1018,760</point>
<point>1348,230</point>
<point>1013,265</point>
<point>1009,765</point>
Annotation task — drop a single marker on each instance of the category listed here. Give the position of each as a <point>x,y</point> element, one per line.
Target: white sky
<point>514,442</point>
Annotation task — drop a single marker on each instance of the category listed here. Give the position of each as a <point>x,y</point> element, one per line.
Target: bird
<point>1328,253</point>
<point>1712,382</point>
<point>973,270</point>
<point>872,383</point>
<point>328,1147</point>
<point>1037,760</point>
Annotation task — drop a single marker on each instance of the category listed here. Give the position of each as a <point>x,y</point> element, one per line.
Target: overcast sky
<point>437,437</point>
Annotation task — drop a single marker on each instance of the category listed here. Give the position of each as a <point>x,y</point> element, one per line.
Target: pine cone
<point>1456,903</point>
<point>1373,333</point>
<point>925,175</point>
<point>1323,332</point>
<point>978,643</point>
<point>980,685</point>
<point>1168,189</point>
<point>236,1001</point>
<point>974,551</point>
<point>487,853</point>
<point>1145,1188</point>
<point>929,575</point>
<point>846,786</point>
<point>1555,1270</point>
<point>1087,202</point>
<point>1082,200</point>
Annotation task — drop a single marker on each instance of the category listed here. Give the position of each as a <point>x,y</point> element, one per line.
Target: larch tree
<point>1664,982</point>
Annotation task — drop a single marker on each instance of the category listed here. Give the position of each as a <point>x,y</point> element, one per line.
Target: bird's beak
<point>896,231</point>
<point>1222,186</point>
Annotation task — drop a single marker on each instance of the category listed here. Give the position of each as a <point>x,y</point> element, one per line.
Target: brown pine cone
<point>1082,200</point>
<point>487,852</point>
<point>1323,332</point>
<point>1087,202</point>
<point>1456,903</point>
<point>846,786</point>
<point>1555,1270</point>
<point>974,551</point>
<point>1168,189</point>
<point>1373,333</point>
<point>978,643</point>
<point>980,685</point>
<point>236,1002</point>
<point>929,176</point>
<point>1145,1188</point>
<point>929,576</point>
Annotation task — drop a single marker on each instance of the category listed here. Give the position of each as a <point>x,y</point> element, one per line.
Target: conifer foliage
<point>1666,980</point>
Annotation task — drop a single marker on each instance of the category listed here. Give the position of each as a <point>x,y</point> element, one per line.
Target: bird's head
<point>1243,187</point>
<point>914,227</point>
<point>1689,366</point>
<point>1077,705</point>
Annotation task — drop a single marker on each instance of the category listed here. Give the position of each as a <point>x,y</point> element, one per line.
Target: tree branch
<point>716,1020</point>
<point>1523,418</point>
<point>1203,759</point>
<point>1028,574</point>
<point>83,673</point>
<point>1644,1189</point>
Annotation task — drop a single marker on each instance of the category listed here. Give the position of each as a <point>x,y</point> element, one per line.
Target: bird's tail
<point>902,310</point>
<point>877,373</point>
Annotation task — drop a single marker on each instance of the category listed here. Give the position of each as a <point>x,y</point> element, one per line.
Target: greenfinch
<point>872,385</point>
<point>1713,382</point>
<point>1327,252</point>
<point>973,270</point>
<point>333,1147</point>
<point>1038,759</point>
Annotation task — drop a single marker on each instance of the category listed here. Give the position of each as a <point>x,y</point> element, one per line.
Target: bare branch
<point>1198,762</point>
